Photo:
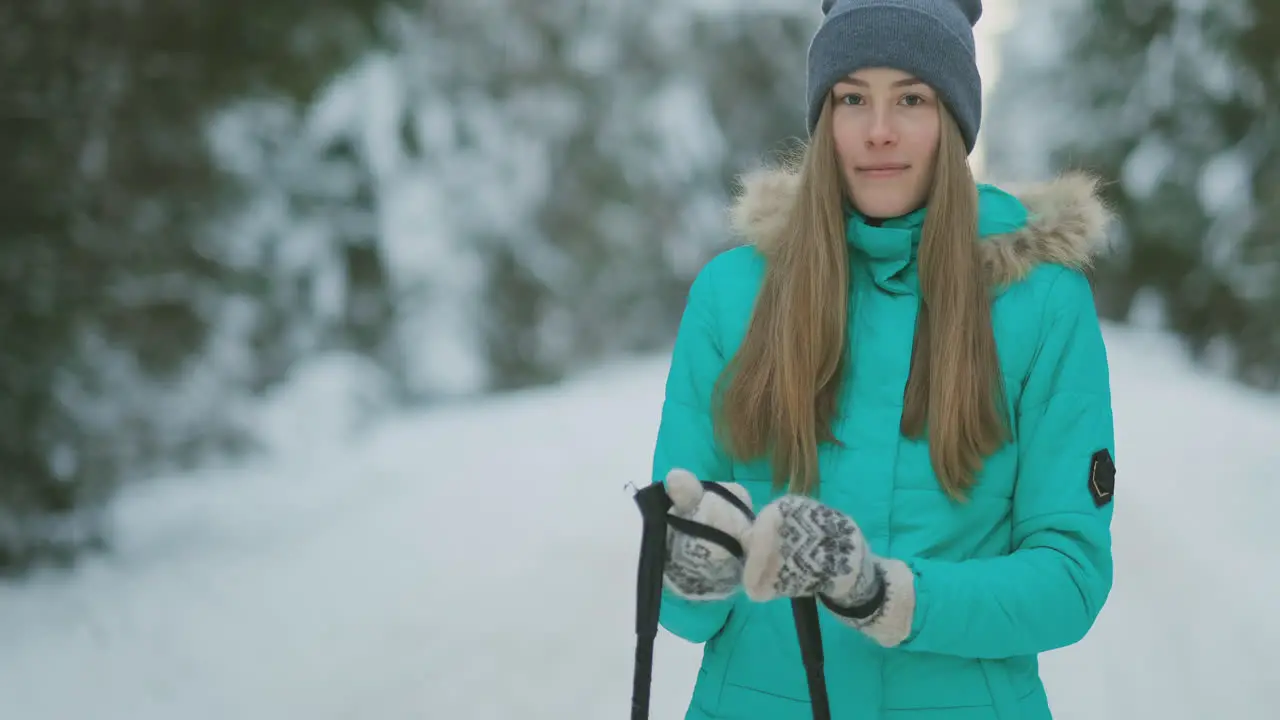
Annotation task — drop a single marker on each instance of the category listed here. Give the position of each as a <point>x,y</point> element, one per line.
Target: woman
<point>903,371</point>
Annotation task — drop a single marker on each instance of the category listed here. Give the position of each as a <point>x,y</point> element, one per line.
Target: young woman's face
<point>886,127</point>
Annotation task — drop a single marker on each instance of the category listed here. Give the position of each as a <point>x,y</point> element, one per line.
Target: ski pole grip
<point>654,504</point>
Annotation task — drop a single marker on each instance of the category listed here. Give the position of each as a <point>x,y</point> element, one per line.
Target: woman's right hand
<point>697,568</point>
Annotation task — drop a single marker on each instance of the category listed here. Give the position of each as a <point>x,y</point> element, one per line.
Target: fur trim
<point>892,623</point>
<point>1067,225</point>
<point>1067,222</point>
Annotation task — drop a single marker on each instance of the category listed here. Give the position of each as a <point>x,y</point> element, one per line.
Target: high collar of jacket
<point>1061,221</point>
<point>887,247</point>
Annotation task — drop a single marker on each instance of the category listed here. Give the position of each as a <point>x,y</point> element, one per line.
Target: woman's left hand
<point>799,547</point>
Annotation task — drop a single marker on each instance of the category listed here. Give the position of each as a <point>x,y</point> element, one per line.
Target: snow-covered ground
<point>479,563</point>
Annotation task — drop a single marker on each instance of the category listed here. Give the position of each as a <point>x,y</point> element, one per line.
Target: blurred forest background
<point>204,202</point>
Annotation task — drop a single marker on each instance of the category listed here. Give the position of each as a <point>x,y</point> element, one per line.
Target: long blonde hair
<point>779,392</point>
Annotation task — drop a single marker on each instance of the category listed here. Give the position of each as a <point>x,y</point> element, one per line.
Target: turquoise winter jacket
<point>1023,567</point>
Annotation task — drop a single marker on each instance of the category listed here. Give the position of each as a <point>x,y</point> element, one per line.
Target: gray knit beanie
<point>931,39</point>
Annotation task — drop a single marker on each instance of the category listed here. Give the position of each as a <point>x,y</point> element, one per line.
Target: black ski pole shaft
<point>805,610</point>
<point>653,503</point>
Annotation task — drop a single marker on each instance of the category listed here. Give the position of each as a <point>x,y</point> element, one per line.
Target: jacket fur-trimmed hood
<point>1066,223</point>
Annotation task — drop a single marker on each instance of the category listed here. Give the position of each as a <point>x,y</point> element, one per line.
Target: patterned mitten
<point>799,547</point>
<point>697,568</point>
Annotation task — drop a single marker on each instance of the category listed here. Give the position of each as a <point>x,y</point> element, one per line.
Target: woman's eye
<point>851,99</point>
<point>913,100</point>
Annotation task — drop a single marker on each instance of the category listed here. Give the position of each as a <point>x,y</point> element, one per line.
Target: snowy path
<point>447,567</point>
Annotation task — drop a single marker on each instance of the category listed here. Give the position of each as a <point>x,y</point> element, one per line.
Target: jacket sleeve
<point>1048,591</point>
<point>685,439</point>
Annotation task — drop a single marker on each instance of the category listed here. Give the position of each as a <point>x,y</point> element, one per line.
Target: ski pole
<point>805,610</point>
<point>654,505</point>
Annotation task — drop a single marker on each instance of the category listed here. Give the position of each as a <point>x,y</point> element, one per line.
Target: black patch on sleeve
<point>1102,477</point>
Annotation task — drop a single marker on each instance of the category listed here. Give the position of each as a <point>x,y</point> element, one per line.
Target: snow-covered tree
<point>534,184</point>
<point>1177,104</point>
<point>123,327</point>
<point>210,202</point>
